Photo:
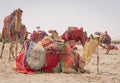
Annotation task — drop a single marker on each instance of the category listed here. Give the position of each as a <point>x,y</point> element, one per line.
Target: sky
<point>92,15</point>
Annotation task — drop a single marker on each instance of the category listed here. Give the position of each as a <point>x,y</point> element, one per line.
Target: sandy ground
<point>109,71</point>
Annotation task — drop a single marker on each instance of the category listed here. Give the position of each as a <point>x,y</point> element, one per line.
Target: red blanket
<point>52,60</point>
<point>21,64</point>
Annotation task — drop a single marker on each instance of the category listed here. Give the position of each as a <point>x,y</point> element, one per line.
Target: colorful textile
<point>112,47</point>
<point>35,36</point>
<point>66,36</point>
<point>83,38</point>
<point>21,63</point>
<point>52,60</point>
<point>38,35</point>
<point>37,57</point>
<point>76,33</point>
<point>21,66</point>
<point>42,34</point>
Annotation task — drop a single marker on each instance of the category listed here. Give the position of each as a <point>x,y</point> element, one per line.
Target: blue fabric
<point>29,49</point>
<point>30,46</point>
<point>106,41</point>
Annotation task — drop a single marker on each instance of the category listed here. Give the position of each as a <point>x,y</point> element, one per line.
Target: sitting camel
<point>48,58</point>
<point>14,30</point>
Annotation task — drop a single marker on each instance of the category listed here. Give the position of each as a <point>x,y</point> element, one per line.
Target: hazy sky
<point>93,15</point>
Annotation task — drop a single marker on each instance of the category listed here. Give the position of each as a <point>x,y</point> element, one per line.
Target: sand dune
<point>109,71</point>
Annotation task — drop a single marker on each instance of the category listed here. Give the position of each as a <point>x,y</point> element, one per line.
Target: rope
<point>98,61</point>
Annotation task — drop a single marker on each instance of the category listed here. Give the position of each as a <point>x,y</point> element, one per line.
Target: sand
<point>109,71</point>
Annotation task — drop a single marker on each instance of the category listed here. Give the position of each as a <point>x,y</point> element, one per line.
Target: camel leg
<point>16,46</point>
<point>82,70</point>
<point>21,49</point>
<point>11,51</point>
<point>108,50</point>
<point>102,46</point>
<point>3,45</point>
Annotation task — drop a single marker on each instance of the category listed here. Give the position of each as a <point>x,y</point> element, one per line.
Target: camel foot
<point>84,71</point>
<point>106,53</point>
<point>14,57</point>
<point>87,71</point>
<point>0,57</point>
<point>14,68</point>
<point>9,59</point>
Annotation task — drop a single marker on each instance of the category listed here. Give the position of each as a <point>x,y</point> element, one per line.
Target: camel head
<point>53,32</point>
<point>18,12</point>
<point>54,35</point>
<point>90,48</point>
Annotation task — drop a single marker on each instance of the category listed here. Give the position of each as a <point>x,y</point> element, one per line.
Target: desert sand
<point>109,68</point>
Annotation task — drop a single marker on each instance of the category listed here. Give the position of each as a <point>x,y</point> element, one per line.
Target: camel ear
<point>92,36</point>
<point>21,11</point>
<point>88,39</point>
<point>15,11</point>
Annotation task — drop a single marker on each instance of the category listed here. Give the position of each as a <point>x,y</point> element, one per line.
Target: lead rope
<point>98,61</point>
<point>98,58</point>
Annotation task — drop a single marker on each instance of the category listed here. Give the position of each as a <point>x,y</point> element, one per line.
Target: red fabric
<point>69,57</point>
<point>46,42</point>
<point>115,48</point>
<point>83,38</point>
<point>77,32</point>
<point>52,60</point>
<point>35,36</point>
<point>3,34</point>
<point>21,66</point>
<point>67,35</point>
<point>112,47</point>
<point>38,36</point>
<point>72,45</point>
<point>69,60</point>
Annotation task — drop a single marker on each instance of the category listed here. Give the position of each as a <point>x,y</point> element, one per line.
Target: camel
<point>105,39</point>
<point>38,35</point>
<point>14,30</point>
<point>75,33</point>
<point>65,60</point>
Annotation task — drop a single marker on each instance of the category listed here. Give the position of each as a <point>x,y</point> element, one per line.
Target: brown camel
<point>14,30</point>
<point>66,61</point>
<point>69,60</point>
